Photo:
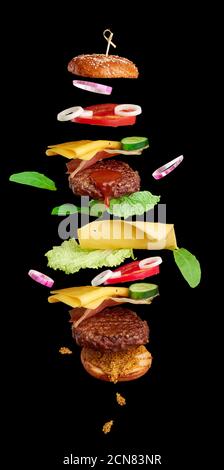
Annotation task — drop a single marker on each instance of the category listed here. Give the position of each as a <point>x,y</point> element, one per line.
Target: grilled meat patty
<point>117,175</point>
<point>112,329</point>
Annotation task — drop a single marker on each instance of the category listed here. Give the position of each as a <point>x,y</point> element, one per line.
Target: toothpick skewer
<point>109,40</point>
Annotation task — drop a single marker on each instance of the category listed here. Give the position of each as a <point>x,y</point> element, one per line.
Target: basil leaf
<point>33,178</point>
<point>67,209</point>
<point>95,209</point>
<point>188,265</point>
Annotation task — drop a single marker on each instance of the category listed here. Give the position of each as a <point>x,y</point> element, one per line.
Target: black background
<point>55,408</point>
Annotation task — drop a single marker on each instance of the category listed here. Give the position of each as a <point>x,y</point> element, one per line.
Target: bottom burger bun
<point>116,367</point>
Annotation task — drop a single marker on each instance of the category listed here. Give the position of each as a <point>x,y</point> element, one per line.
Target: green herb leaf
<point>70,257</point>
<point>95,209</point>
<point>188,265</point>
<point>68,209</point>
<point>135,204</point>
<point>33,178</point>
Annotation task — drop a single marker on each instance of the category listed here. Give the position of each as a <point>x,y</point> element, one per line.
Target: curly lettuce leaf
<point>70,257</point>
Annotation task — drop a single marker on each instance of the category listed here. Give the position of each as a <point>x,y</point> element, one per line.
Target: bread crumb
<point>65,350</point>
<point>107,426</point>
<point>120,400</point>
<point>115,364</point>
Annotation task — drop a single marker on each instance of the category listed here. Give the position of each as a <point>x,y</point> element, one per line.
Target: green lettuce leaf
<point>33,178</point>
<point>70,257</point>
<point>188,265</point>
<point>97,208</point>
<point>135,204</point>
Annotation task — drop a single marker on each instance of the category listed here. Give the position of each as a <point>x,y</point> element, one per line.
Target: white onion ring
<point>167,168</point>
<point>93,87</point>
<point>41,278</point>
<point>87,113</point>
<point>70,113</point>
<point>127,110</point>
<point>149,263</point>
<point>104,276</point>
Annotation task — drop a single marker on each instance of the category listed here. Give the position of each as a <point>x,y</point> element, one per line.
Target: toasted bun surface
<point>116,367</point>
<point>102,66</point>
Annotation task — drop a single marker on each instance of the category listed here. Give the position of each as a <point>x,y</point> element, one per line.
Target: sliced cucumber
<point>143,290</point>
<point>134,143</point>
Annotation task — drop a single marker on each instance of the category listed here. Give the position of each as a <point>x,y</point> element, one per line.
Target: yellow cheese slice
<point>96,145</point>
<point>87,156</point>
<point>66,299</point>
<point>74,290</point>
<point>64,152</point>
<point>116,234</point>
<point>86,295</point>
<point>68,149</point>
<point>69,153</point>
<point>49,153</point>
<point>95,303</point>
<point>73,144</point>
<point>83,149</point>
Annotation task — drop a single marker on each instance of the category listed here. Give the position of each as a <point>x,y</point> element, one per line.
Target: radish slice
<point>104,276</point>
<point>93,87</point>
<point>167,168</point>
<point>41,278</point>
<point>70,113</point>
<point>149,263</point>
<point>127,110</point>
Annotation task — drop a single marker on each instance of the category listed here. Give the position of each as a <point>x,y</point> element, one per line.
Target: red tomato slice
<point>134,276</point>
<point>102,109</point>
<point>127,268</point>
<point>103,115</point>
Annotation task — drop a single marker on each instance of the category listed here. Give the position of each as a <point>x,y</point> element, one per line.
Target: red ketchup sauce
<point>104,180</point>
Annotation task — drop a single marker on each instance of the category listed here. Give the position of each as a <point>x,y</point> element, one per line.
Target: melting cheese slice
<point>86,296</point>
<point>82,149</point>
<point>116,234</point>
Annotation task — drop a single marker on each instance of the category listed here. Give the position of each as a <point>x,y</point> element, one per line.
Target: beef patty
<point>114,177</point>
<point>113,329</point>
